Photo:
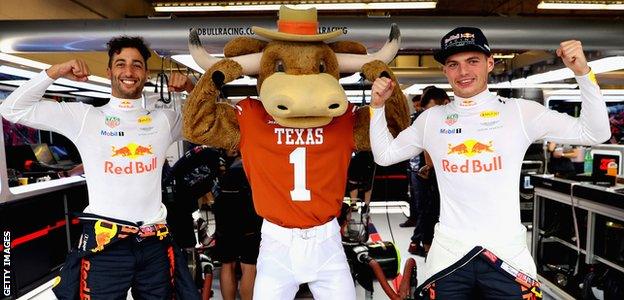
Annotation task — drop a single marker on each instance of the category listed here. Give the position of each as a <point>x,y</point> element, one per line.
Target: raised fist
<point>179,82</point>
<point>381,91</point>
<point>75,69</point>
<point>571,52</point>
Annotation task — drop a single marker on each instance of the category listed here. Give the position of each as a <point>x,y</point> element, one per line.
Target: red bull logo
<point>126,104</point>
<point>473,165</point>
<point>470,148</point>
<point>132,151</point>
<point>133,167</point>
<point>467,103</point>
<point>467,35</point>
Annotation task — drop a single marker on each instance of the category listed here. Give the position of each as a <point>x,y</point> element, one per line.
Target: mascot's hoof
<point>224,71</point>
<point>217,78</point>
<point>375,69</point>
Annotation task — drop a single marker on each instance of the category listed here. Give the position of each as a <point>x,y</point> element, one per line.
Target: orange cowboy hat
<point>296,25</point>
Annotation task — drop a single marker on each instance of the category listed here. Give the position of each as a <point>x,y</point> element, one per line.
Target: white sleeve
<point>388,150</point>
<point>592,127</point>
<point>175,124</point>
<point>25,106</point>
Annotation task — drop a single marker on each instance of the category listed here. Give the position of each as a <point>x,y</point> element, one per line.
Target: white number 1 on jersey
<point>298,159</point>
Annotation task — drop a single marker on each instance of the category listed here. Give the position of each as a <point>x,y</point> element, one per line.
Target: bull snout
<point>330,107</point>
<point>298,107</point>
<point>313,98</point>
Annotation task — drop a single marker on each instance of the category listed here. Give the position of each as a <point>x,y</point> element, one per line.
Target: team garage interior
<point>574,217</point>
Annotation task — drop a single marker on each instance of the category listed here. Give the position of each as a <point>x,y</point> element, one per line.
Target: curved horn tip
<point>194,38</point>
<point>395,33</point>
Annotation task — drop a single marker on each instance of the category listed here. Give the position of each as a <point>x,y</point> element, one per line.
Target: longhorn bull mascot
<point>296,141</point>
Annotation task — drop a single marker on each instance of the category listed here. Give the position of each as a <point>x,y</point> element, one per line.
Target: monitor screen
<point>603,154</point>
<point>601,163</point>
<point>43,154</point>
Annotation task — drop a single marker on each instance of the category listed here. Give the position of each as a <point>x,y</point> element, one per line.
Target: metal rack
<point>553,189</point>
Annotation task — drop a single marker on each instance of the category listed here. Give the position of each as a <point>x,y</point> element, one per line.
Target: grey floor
<point>386,219</point>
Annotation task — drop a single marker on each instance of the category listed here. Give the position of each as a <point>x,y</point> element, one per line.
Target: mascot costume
<point>296,141</point>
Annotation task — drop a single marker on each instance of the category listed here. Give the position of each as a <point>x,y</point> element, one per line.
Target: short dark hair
<point>116,44</point>
<point>438,95</point>
<point>416,98</point>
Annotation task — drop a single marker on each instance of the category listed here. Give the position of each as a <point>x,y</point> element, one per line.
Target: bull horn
<point>249,62</point>
<point>351,63</point>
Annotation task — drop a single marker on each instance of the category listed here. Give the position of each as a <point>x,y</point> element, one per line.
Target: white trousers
<point>291,256</point>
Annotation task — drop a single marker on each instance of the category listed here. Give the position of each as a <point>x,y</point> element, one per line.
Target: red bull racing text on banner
<point>469,149</point>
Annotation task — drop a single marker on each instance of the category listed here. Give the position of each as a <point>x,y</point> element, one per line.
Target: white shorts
<point>292,256</point>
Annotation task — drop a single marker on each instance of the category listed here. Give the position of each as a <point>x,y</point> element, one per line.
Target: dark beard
<point>134,94</point>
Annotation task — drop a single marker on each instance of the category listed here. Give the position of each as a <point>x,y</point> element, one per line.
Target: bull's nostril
<point>334,106</point>
<point>282,107</point>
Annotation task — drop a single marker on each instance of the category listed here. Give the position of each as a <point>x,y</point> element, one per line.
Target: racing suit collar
<point>125,104</point>
<point>477,100</point>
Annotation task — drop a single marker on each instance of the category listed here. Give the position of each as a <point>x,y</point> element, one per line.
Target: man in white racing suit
<point>125,241</point>
<point>477,144</point>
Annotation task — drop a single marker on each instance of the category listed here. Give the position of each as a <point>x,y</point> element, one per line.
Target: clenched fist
<point>381,91</point>
<point>179,82</point>
<point>571,52</point>
<point>75,69</point>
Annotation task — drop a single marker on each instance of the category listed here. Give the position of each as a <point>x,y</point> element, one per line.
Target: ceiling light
<point>52,88</point>
<point>245,80</point>
<point>358,99</point>
<point>83,85</point>
<point>520,84</point>
<point>253,6</point>
<point>355,78</point>
<point>42,66</point>
<point>578,98</point>
<point>357,92</point>
<point>17,72</point>
<point>24,61</point>
<point>416,89</point>
<point>187,60</point>
<point>578,92</point>
<point>602,65</point>
<point>503,56</point>
<point>63,81</point>
<point>588,5</point>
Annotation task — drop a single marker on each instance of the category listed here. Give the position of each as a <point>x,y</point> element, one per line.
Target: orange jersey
<point>297,175</point>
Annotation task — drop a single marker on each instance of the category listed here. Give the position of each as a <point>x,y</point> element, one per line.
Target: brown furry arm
<point>207,122</point>
<point>361,128</point>
<point>397,112</point>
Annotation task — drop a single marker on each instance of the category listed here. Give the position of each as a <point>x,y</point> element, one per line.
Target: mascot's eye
<point>279,66</point>
<point>321,67</point>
